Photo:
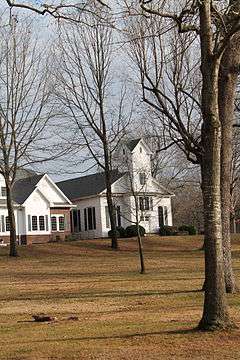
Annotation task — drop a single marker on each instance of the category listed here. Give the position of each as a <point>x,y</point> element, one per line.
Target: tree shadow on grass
<point>120,337</point>
<point>108,294</point>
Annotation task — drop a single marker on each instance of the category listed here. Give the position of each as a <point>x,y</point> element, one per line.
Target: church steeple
<point>134,156</point>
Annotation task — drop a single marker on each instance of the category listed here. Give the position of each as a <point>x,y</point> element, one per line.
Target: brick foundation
<point>37,239</point>
<point>45,238</point>
<point>5,239</point>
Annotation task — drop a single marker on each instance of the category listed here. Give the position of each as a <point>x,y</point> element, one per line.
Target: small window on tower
<point>140,150</point>
<point>142,178</point>
<point>124,152</point>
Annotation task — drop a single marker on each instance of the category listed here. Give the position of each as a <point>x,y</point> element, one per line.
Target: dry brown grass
<point>122,314</point>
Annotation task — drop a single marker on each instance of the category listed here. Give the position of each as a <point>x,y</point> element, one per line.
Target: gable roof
<point>23,188</point>
<point>87,185</point>
<point>133,143</point>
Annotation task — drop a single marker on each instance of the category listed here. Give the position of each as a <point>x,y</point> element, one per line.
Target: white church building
<point>131,181</point>
<point>47,211</point>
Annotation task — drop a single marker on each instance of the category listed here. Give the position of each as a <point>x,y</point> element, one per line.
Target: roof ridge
<point>85,176</point>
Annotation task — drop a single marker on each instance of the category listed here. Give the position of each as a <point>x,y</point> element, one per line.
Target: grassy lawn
<point>122,314</point>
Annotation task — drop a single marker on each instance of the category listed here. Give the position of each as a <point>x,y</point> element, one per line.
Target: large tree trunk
<point>11,218</point>
<point>215,311</point>
<point>228,75</point>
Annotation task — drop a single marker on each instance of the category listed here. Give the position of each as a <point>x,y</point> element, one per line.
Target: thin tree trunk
<point>139,239</point>
<point>11,217</point>
<point>111,207</point>
<point>140,249</point>
<point>228,76</point>
<point>112,215</point>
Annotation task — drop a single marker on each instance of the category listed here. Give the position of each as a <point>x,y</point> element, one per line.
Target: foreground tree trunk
<point>11,218</point>
<point>228,76</point>
<point>215,311</point>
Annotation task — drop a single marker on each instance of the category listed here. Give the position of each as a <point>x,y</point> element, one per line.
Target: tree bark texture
<point>228,76</point>
<point>215,311</point>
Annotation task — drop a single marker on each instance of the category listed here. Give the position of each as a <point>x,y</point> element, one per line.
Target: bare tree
<point>86,90</point>
<point>199,19</point>
<point>71,11</point>
<point>24,107</point>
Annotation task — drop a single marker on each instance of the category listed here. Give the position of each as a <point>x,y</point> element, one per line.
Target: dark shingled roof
<point>24,187</point>
<point>86,185</point>
<point>133,143</point>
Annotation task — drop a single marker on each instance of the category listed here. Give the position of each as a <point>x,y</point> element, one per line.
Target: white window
<point>7,223</point>
<point>34,223</point>
<point>144,218</point>
<point>3,191</point>
<point>142,178</point>
<point>61,223</point>
<point>145,203</point>
<point>54,223</point>
<point>58,222</point>
<point>41,223</point>
<point>89,218</point>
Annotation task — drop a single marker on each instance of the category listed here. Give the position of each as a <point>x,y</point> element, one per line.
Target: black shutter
<point>94,218</point>
<point>79,220</point>
<point>90,219</point>
<point>119,219</point>
<point>85,219</point>
<point>160,216</point>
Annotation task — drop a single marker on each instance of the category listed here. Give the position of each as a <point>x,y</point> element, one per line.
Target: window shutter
<point>85,219</point>
<point>3,223</point>
<point>90,218</point>
<point>165,215</point>
<point>119,219</point>
<point>46,221</point>
<point>160,216</point>
<point>29,223</point>
<point>151,203</point>
<point>94,217</point>
<point>79,220</point>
